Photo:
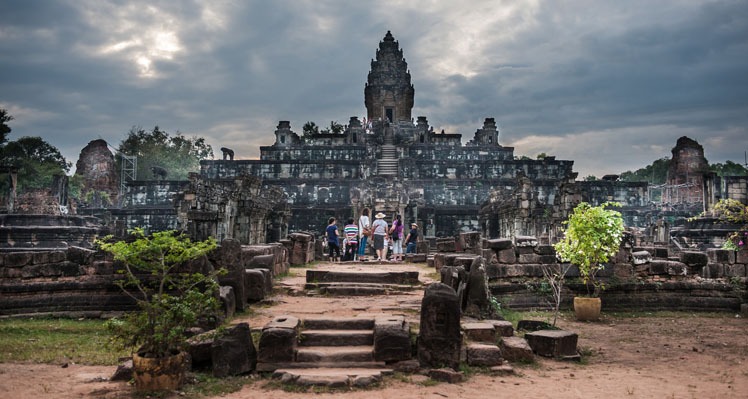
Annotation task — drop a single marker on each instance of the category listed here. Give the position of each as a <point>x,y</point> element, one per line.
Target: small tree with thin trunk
<point>593,235</point>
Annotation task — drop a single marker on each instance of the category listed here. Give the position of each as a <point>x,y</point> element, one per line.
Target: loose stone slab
<point>483,355</point>
<point>553,343</point>
<point>516,349</point>
<point>446,375</point>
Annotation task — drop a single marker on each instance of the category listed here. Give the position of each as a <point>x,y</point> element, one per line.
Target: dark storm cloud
<point>581,80</point>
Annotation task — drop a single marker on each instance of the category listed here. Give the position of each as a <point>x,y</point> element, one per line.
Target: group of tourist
<point>383,236</point>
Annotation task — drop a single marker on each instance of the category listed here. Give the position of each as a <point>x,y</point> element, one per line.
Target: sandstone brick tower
<point>388,93</point>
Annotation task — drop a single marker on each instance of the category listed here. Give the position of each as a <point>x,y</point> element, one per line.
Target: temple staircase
<point>361,282</point>
<point>335,352</point>
<point>387,164</point>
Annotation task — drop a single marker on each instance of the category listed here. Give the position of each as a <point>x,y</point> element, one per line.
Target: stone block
<point>446,245</point>
<point>717,255</point>
<point>261,262</point>
<point>498,244</point>
<point>200,349</point>
<point>516,349</point>
<point>254,285</point>
<point>641,257</point>
<point>508,256</point>
<point>503,328</point>
<point>735,270</point>
<point>439,261</point>
<point>694,259</point>
<point>742,256</point>
<point>677,269</point>
<point>439,338</point>
<point>391,339</point>
<point>278,340</point>
<point>525,241</point>
<point>660,252</point>
<point>553,343</point>
<point>529,258</point>
<point>464,260</point>
<point>446,375</point>
<point>81,256</point>
<point>545,250</point>
<point>623,270</point>
<point>470,240</point>
<point>18,259</point>
<point>415,258</point>
<point>233,353</point>
<point>483,355</point>
<point>479,331</point>
<point>228,300</point>
<point>713,270</point>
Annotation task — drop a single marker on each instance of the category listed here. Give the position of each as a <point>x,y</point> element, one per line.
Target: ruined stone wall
<point>637,278</point>
<point>290,169</point>
<point>82,282</point>
<point>35,231</point>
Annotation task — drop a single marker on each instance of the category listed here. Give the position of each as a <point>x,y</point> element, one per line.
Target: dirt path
<point>688,356</point>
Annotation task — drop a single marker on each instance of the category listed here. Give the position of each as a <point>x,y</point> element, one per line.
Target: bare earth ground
<point>688,356</point>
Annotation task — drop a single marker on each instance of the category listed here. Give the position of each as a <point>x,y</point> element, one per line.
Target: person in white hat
<point>411,241</point>
<point>379,228</point>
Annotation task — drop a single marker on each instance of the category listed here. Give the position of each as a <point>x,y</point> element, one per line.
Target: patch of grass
<point>205,385</point>
<point>50,340</point>
<point>429,382</point>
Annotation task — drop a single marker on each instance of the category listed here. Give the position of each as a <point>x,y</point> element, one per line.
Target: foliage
<point>655,173</point>
<point>4,128</point>
<point>728,168</point>
<point>541,156</point>
<point>177,154</point>
<point>591,178</point>
<point>734,211</point>
<point>53,340</point>
<point>335,128</point>
<point>36,160</point>
<point>169,301</point>
<point>593,234</point>
<point>310,128</point>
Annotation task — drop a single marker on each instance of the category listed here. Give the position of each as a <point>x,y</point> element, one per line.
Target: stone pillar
<point>440,338</point>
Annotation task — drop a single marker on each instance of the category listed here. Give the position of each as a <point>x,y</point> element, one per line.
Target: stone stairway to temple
<point>361,282</point>
<point>332,352</point>
<point>387,165</point>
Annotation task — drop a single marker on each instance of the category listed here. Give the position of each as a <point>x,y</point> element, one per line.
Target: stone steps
<point>332,352</point>
<point>371,277</point>
<point>332,377</point>
<point>336,338</point>
<point>359,289</point>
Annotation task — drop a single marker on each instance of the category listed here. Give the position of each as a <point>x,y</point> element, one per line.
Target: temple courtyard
<point>624,355</point>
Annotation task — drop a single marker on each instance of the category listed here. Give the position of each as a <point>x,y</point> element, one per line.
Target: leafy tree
<point>177,154</point>
<point>591,178</point>
<point>728,168</point>
<point>309,129</point>
<point>336,128</point>
<point>593,234</point>
<point>36,160</point>
<point>656,173</point>
<point>541,156</point>
<point>169,301</point>
<point>4,128</point>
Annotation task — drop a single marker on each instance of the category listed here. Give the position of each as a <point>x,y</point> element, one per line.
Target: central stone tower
<point>388,93</point>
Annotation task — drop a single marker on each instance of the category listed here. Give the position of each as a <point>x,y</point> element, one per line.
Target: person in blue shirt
<point>333,243</point>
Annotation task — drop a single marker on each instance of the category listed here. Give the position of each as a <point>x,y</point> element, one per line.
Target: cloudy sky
<point>609,84</point>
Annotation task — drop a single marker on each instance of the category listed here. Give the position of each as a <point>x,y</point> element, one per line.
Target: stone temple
<point>394,163</point>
